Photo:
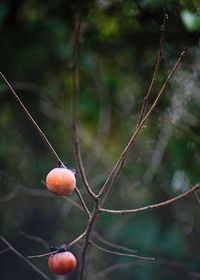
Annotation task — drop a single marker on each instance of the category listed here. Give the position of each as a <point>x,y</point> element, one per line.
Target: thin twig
<point>113,245</point>
<point>83,202</point>
<point>81,236</point>
<point>121,254</point>
<point>123,155</point>
<point>44,276</point>
<point>153,206</point>
<point>35,238</point>
<point>104,273</point>
<point>33,192</point>
<point>161,262</point>
<point>156,70</point>
<point>4,251</point>
<point>42,255</point>
<point>74,120</point>
<point>41,133</point>
<point>197,198</point>
<point>115,172</point>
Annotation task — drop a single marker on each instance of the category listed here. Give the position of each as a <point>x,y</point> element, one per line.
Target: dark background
<point>117,58</point>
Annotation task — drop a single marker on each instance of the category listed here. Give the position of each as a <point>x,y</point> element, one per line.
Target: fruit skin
<point>61,181</point>
<point>62,263</point>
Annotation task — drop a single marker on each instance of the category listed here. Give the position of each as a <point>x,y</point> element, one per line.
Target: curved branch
<point>121,254</point>
<point>113,245</point>
<point>152,206</point>
<point>35,238</point>
<point>44,276</point>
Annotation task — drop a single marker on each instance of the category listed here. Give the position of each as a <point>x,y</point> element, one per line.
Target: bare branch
<point>105,189</point>
<point>152,206</point>
<point>41,133</point>
<point>162,262</point>
<point>82,202</point>
<point>4,251</point>
<point>81,236</point>
<point>35,238</point>
<point>121,254</point>
<point>42,255</point>
<point>88,232</point>
<point>113,245</point>
<point>197,198</point>
<point>74,121</point>
<point>123,155</point>
<point>157,66</point>
<point>103,274</point>
<point>33,192</point>
<point>44,276</point>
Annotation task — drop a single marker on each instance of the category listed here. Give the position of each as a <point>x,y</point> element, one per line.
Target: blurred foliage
<point>118,53</point>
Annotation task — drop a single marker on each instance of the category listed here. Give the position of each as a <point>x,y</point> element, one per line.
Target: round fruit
<point>62,263</point>
<point>61,181</point>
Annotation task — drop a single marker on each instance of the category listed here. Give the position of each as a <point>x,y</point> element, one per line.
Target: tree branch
<point>35,238</point>
<point>121,254</point>
<point>81,236</point>
<point>196,198</point>
<point>123,155</point>
<point>44,276</point>
<point>74,120</point>
<point>113,245</point>
<point>88,232</point>
<point>152,206</point>
<point>39,130</point>
<point>4,251</point>
<point>83,202</point>
<point>156,70</point>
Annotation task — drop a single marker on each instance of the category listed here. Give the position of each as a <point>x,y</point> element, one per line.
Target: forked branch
<point>123,155</point>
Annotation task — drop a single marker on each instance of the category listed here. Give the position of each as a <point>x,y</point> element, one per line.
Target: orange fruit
<point>61,181</point>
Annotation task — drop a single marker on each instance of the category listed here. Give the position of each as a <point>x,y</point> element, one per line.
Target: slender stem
<point>113,245</point>
<point>153,206</point>
<point>35,238</point>
<point>44,276</point>
<point>42,255</point>
<point>74,121</point>
<point>197,198</point>
<point>41,133</point>
<point>83,202</point>
<point>156,70</point>
<point>81,236</point>
<point>121,254</point>
<point>123,155</point>
<point>88,231</point>
<point>4,251</point>
<point>172,265</point>
<point>114,173</point>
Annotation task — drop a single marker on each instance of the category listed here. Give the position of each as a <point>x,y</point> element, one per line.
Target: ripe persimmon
<point>61,181</point>
<point>62,263</point>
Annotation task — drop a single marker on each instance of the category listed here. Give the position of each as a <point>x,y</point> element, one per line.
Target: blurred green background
<point>118,54</point>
